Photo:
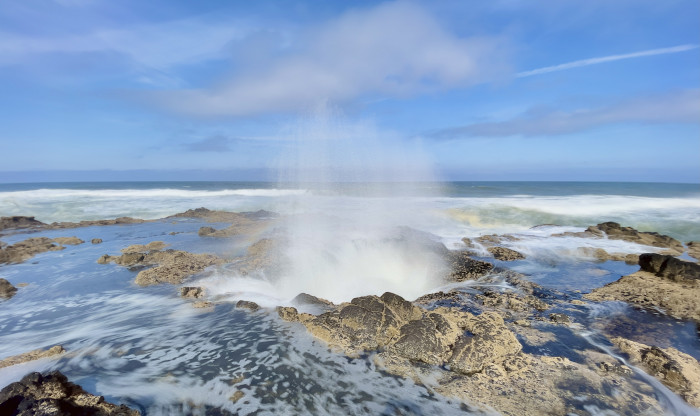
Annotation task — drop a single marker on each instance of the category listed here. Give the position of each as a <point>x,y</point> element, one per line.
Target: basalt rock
<point>6,289</point>
<point>52,394</point>
<point>18,222</point>
<point>90,223</point>
<point>678,371</point>
<point>694,249</point>
<point>669,267</point>
<point>27,249</point>
<point>465,268</point>
<point>96,241</point>
<point>602,255</point>
<point>68,241</point>
<point>192,292</point>
<point>245,304</point>
<point>141,248</point>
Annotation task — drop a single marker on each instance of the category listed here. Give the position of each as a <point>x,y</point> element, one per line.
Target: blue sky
<point>457,90</point>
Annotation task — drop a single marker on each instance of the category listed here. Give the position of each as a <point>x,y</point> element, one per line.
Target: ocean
<point>148,348</point>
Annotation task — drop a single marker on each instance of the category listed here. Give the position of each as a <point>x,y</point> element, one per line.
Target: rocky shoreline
<point>475,346</point>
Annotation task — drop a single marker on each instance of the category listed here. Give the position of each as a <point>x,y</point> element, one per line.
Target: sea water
<point>150,349</point>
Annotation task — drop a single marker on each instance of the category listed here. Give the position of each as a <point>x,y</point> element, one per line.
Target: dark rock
<point>694,249</point>
<point>559,318</point>
<point>614,231</point>
<point>465,268</point>
<point>6,289</point>
<point>52,394</point>
<point>245,304</point>
<point>16,222</point>
<point>96,241</point>
<point>669,267</point>
<point>505,254</point>
<point>428,339</point>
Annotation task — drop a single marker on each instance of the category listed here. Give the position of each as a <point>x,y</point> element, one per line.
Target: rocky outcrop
<point>6,289</point>
<point>505,254</point>
<point>223,216</point>
<point>194,292</point>
<point>52,394</point>
<point>245,304</point>
<point>601,255</point>
<point>677,297</point>
<point>90,223</point>
<point>27,249</point>
<point>18,222</point>
<point>678,371</point>
<point>670,267</point>
<point>464,267</point>
<point>615,231</point>
<point>31,356</point>
<point>68,241</point>
<point>694,249</point>
<point>171,266</point>
<point>443,336</point>
<point>96,241</point>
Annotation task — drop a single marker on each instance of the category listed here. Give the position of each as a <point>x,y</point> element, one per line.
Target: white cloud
<point>677,107</point>
<point>394,49</point>
<point>600,60</point>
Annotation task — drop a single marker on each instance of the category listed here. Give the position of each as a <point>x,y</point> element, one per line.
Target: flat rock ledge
<point>170,266</point>
<point>615,231</point>
<point>663,282</point>
<point>25,250</point>
<point>31,356</point>
<point>52,394</point>
<point>678,371</point>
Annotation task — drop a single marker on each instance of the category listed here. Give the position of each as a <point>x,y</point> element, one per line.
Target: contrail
<point>594,61</point>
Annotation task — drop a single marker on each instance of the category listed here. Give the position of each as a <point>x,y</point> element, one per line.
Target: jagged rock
<point>31,356</point>
<point>428,339</point>
<point>306,299</point>
<point>505,254</point>
<point>52,394</point>
<point>205,231</point>
<point>244,304</point>
<point>96,241</point>
<point>27,249</point>
<point>678,371</point>
<point>6,289</point>
<point>614,231</point>
<point>290,314</point>
<point>202,304</point>
<point>669,267</point>
<point>465,268</point>
<point>490,342</point>
<point>192,292</point>
<point>68,241</point>
<point>559,318</point>
<point>18,221</point>
<point>511,301</point>
<point>677,298</point>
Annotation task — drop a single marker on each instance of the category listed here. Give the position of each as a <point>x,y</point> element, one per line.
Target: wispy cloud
<point>394,49</point>
<point>678,107</point>
<point>611,58</point>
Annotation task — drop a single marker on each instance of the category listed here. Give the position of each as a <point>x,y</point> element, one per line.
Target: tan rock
<point>505,254</point>
<point>68,241</point>
<point>31,356</point>
<point>27,249</point>
<point>6,289</point>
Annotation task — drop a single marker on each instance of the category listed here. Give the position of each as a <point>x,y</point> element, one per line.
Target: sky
<point>554,90</point>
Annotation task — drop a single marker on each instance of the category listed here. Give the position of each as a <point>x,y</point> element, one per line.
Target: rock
<point>306,299</point>
<point>614,231</point>
<point>505,254</point>
<point>52,394</point>
<point>6,289</point>
<point>678,299</point>
<point>559,318</point>
<point>288,313</point>
<point>17,222</point>
<point>192,292</point>
<point>105,259</point>
<point>205,231</point>
<point>90,223</point>
<point>678,371</point>
<point>31,356</point>
<point>236,396</point>
<point>428,339</point>
<point>140,248</point>
<point>129,259</point>
<point>465,268</point>
<point>202,304</point>
<point>174,266</point>
<point>27,249</point>
<point>490,342</point>
<point>602,255</point>
<point>69,241</point>
<point>244,304</point>
<point>669,267</point>
<point>694,249</point>
<point>224,216</point>
<point>96,241</point>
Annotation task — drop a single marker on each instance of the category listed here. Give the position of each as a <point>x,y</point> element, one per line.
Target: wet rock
<point>52,394</point>
<point>265,255</point>
<point>17,222</point>
<point>90,223</point>
<point>105,259</point>
<point>290,314</point>
<point>192,292</point>
<point>678,371</point>
<point>489,342</point>
<point>559,318</point>
<point>465,268</point>
<point>205,231</point>
<point>174,266</point>
<point>614,231</point>
<point>129,259</point>
<point>678,299</point>
<point>244,304</point>
<point>602,255</point>
<point>505,254</point>
<point>306,299</point>
<point>6,289</point>
<point>96,241</point>
<point>27,249</point>
<point>694,249</point>
<point>669,267</point>
<point>141,248</point>
<point>428,339</point>
<point>236,396</point>
<point>68,241</point>
<point>202,304</point>
<point>31,356</point>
